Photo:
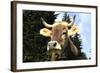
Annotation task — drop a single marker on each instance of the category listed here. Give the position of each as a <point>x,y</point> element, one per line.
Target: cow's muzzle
<point>53,45</point>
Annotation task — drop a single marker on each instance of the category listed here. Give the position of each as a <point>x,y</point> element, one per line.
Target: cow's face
<point>59,33</point>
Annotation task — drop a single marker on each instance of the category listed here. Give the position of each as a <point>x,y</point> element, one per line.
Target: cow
<point>59,34</point>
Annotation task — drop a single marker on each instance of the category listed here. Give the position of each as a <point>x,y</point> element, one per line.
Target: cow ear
<point>73,31</point>
<point>45,32</point>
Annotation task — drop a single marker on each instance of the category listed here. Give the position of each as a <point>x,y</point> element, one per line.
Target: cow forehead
<point>57,31</point>
<point>61,24</point>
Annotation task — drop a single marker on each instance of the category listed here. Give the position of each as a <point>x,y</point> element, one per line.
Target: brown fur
<point>59,33</point>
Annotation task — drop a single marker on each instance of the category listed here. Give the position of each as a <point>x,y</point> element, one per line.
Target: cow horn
<point>46,24</point>
<point>70,24</point>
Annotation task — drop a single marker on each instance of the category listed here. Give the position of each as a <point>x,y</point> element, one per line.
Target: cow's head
<point>58,32</point>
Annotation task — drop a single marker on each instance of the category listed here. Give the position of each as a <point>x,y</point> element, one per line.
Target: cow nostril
<point>54,44</point>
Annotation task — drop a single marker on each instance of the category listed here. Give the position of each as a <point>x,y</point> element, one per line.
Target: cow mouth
<point>54,53</point>
<point>54,48</point>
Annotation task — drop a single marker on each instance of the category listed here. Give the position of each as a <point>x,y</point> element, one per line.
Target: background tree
<point>66,17</point>
<point>34,45</point>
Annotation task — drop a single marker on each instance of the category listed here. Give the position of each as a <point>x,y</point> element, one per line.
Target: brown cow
<point>60,40</point>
